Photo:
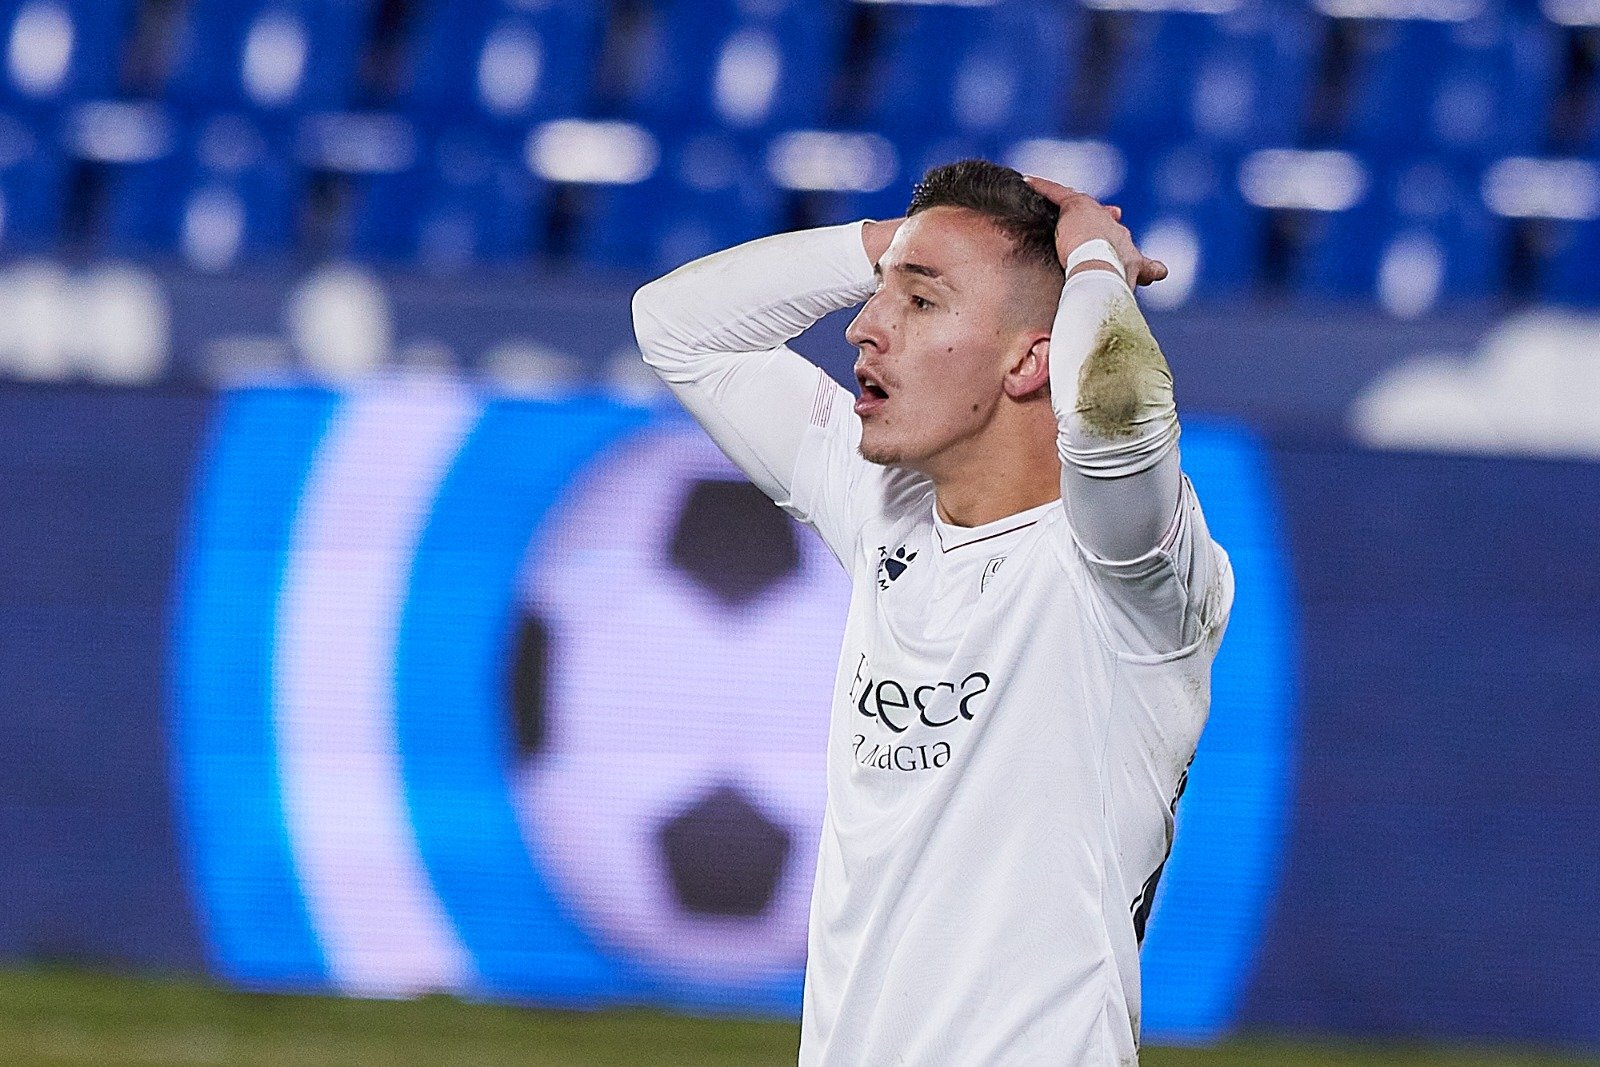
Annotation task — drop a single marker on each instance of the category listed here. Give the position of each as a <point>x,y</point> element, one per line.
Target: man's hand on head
<point>1083,218</point>
<point>875,237</point>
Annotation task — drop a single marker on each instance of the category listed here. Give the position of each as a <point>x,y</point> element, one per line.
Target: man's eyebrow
<point>922,270</point>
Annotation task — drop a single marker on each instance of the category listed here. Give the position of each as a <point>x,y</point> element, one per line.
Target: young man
<point>1037,602</point>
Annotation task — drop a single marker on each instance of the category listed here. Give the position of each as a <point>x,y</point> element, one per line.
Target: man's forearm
<point>715,331</point>
<point>1118,425</point>
<point>750,298</point>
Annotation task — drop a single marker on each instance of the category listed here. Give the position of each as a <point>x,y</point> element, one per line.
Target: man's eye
<point>920,303</point>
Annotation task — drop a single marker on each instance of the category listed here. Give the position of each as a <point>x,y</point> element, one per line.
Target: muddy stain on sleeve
<point>1124,375</point>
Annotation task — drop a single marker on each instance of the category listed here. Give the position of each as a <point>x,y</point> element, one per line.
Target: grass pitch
<point>76,1019</point>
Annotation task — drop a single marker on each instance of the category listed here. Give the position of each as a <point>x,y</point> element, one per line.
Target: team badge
<point>892,565</point>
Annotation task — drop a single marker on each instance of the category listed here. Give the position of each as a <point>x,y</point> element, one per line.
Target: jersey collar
<point>952,537</point>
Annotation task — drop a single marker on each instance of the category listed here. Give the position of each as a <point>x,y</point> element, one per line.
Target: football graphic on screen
<point>670,684</point>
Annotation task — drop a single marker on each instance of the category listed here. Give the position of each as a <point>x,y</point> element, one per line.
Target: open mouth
<point>873,394</point>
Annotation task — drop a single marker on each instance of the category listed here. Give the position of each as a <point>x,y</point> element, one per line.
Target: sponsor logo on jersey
<point>892,565</point>
<point>888,756</point>
<point>898,705</point>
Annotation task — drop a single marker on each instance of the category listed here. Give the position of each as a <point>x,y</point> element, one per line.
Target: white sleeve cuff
<point>1096,250</point>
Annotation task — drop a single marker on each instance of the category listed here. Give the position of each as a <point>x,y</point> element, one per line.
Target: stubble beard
<point>884,455</point>
<point>896,453</point>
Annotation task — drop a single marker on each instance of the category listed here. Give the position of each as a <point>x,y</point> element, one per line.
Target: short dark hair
<point>1000,195</point>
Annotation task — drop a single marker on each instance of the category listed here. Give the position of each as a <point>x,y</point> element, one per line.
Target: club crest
<point>891,565</point>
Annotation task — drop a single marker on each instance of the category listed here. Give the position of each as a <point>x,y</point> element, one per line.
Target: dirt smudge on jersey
<point>1124,372</point>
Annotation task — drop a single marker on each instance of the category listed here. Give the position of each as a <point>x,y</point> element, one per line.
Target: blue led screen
<point>377,805</point>
<point>365,692</point>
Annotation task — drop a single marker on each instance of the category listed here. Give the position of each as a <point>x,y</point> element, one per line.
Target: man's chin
<point>885,448</point>
<point>881,454</point>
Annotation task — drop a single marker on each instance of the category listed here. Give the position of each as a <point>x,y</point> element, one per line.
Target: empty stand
<point>1469,90</point>
<point>710,191</point>
<point>734,64</point>
<point>272,57</point>
<point>58,51</point>
<point>1001,72</point>
<point>1241,77</point>
<point>1419,237</point>
<point>504,63</point>
<point>460,202</point>
<point>1410,152</point>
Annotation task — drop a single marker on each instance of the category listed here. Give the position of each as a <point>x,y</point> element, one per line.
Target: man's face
<point>936,339</point>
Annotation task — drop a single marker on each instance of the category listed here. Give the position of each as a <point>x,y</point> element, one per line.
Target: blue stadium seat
<point>1003,71</point>
<point>104,142</point>
<point>914,158</point>
<point>271,57</point>
<point>1184,201</point>
<point>33,185</point>
<point>502,62</point>
<point>1567,275</point>
<point>1582,131</point>
<point>463,203</point>
<point>220,198</point>
<point>61,50</point>
<point>1242,78</point>
<point>1461,90</point>
<point>1421,237</point>
<point>742,66</point>
<point>140,213</point>
<point>710,192</point>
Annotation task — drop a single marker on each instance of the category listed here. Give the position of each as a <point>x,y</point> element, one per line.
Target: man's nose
<point>866,328</point>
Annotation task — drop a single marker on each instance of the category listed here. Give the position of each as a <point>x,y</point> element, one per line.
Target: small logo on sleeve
<point>892,565</point>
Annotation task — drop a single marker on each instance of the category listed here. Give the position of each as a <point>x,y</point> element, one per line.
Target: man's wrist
<point>1095,250</point>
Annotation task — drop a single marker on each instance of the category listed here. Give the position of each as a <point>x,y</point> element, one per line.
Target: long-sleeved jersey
<point>1016,703</point>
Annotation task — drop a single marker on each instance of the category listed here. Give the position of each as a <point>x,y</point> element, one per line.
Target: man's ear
<point>1031,371</point>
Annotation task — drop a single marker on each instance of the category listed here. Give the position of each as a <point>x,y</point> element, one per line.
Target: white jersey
<point>1013,716</point>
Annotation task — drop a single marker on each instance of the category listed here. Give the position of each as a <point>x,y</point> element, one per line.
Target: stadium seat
<point>225,198</point>
<point>1421,237</point>
<point>1242,78</point>
<point>913,158</point>
<point>1580,131</point>
<point>1567,275</point>
<point>711,192</point>
<point>140,211</point>
<point>104,142</point>
<point>33,186</point>
<point>742,66</point>
<point>1003,71</point>
<point>461,203</point>
<point>1183,205</point>
<point>501,62</point>
<point>61,50</point>
<point>1461,90</point>
<point>271,57</point>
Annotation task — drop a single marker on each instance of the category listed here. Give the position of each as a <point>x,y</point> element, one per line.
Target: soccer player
<point>1036,604</point>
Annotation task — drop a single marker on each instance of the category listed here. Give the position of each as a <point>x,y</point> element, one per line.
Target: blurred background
<point>372,626</point>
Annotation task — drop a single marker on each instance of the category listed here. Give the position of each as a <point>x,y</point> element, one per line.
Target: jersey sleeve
<point>716,332</point>
<point>1133,516</point>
